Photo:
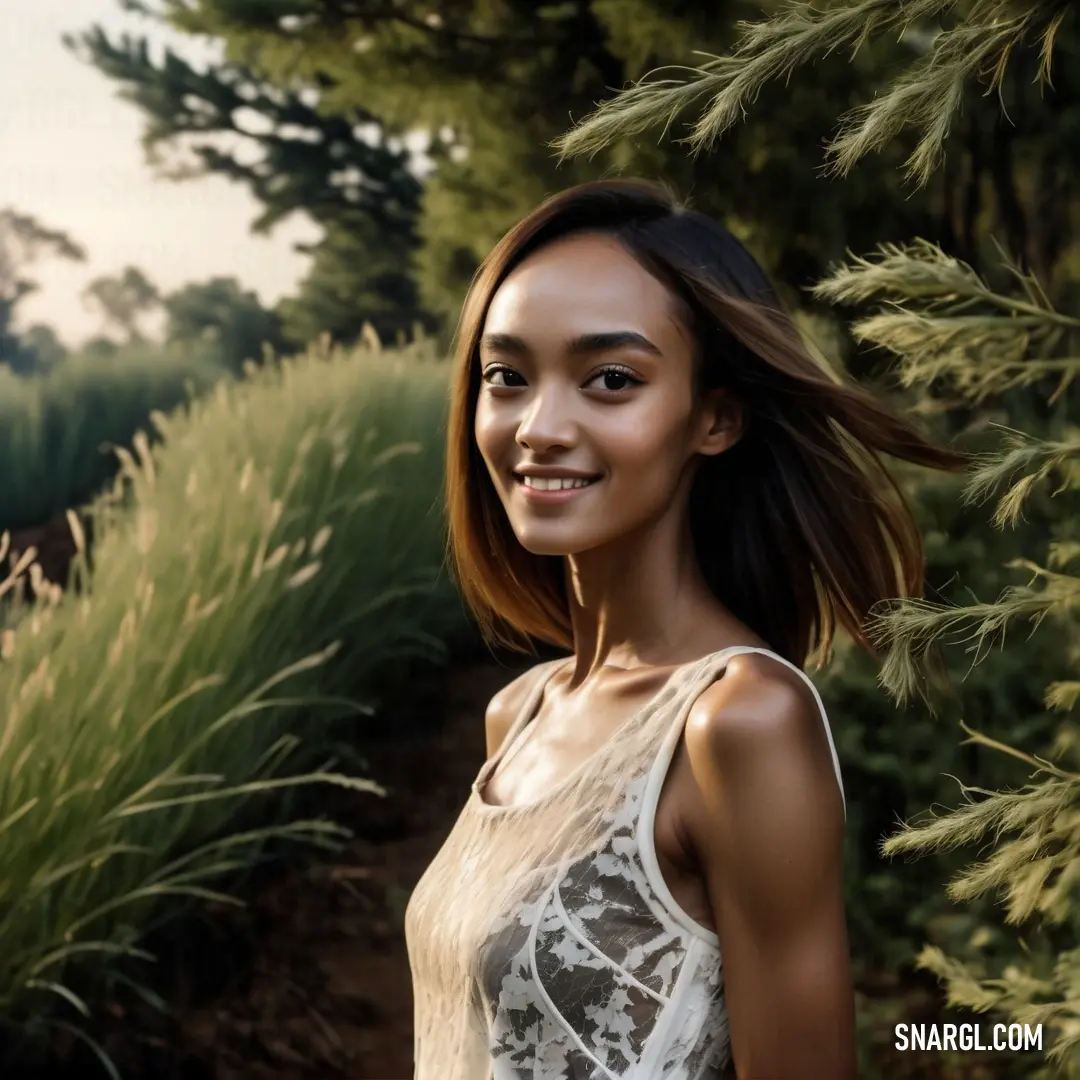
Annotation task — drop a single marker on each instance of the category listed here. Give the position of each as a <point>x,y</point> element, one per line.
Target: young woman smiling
<point>646,467</point>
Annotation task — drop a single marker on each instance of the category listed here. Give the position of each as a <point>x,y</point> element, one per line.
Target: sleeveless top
<point>543,941</point>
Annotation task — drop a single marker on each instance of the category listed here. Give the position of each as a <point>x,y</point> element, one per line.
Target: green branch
<point>1036,459</point>
<point>927,95</point>
<point>908,626</point>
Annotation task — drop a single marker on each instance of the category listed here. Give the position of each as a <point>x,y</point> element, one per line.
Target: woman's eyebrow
<point>601,341</point>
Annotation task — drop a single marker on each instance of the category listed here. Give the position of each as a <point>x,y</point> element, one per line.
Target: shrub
<point>56,427</point>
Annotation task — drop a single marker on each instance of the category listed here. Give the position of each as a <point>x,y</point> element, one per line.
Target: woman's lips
<point>553,496</point>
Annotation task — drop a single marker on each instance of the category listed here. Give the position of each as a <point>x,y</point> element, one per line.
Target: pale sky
<point>70,155</point>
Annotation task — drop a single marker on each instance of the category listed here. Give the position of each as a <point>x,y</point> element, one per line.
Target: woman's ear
<point>723,421</point>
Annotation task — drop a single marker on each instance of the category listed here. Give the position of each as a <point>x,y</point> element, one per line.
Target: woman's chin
<point>548,547</point>
<point>551,542</point>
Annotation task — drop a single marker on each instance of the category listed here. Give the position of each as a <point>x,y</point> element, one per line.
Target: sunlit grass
<point>249,577</point>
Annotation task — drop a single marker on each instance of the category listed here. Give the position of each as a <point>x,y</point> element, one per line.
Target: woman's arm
<point>767,829</point>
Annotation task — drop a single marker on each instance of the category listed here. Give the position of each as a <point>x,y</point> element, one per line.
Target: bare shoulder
<point>764,821</point>
<point>504,707</point>
<point>759,699</point>
<point>756,736</point>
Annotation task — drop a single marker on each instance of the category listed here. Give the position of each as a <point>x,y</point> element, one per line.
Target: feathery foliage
<point>927,95</point>
<point>974,351</point>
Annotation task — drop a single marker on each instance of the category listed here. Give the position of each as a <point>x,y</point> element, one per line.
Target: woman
<point>646,467</point>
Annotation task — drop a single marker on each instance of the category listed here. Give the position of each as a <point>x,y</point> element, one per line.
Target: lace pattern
<point>600,957</point>
<point>544,946</point>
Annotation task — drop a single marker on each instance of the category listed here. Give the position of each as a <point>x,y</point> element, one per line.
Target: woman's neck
<point>641,604</point>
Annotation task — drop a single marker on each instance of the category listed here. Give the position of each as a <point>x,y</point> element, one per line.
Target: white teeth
<point>553,483</point>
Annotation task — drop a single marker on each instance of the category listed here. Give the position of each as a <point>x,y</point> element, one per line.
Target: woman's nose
<point>547,422</point>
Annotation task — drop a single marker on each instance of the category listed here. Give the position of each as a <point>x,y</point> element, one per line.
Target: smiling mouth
<point>554,483</point>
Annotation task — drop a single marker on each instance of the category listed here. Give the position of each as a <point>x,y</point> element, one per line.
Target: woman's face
<point>587,378</point>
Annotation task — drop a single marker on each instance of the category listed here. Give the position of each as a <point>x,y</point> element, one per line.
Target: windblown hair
<point>798,527</point>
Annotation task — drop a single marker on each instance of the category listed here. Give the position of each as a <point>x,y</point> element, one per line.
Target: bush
<point>56,427</point>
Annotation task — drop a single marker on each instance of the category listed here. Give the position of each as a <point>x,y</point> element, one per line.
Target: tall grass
<point>281,545</point>
<point>55,428</point>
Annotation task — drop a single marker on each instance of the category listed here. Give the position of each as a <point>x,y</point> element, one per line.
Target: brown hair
<point>797,527</point>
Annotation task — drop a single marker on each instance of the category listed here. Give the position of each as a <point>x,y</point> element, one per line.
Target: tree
<point>123,300</point>
<point>965,344</point>
<point>100,348</point>
<point>218,314</point>
<point>23,241</point>
<point>341,167</point>
<point>354,280</point>
<point>41,340</point>
<point>489,84</point>
<point>221,313</point>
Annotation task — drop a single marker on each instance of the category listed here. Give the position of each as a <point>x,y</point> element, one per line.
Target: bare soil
<point>322,982</point>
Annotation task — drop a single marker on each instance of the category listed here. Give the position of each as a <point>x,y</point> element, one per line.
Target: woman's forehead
<point>585,279</point>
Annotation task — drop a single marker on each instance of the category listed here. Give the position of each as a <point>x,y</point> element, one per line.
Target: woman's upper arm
<point>769,833</point>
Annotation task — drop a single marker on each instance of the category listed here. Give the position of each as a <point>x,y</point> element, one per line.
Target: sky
<point>70,155</point>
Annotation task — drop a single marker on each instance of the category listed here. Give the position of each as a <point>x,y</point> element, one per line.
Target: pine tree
<point>486,84</point>
<point>963,342</point>
<point>344,169</point>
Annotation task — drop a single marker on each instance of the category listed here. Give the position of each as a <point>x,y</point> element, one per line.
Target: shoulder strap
<point>541,675</point>
<point>704,673</point>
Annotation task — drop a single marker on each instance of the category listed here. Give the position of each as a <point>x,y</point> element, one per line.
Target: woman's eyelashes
<point>611,371</point>
<point>498,369</point>
<point>619,373</point>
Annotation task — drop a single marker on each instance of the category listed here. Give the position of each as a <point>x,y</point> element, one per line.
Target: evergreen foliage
<point>313,97</point>
<point>341,168</point>
<point>973,349</point>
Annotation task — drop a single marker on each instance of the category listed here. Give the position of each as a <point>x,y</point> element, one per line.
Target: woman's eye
<point>616,379</point>
<point>490,377</point>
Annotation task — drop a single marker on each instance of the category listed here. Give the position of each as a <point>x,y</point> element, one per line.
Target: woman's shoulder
<point>506,704</point>
<point>758,730</point>
<point>758,690</point>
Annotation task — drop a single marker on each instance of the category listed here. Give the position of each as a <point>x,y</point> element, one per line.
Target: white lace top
<point>543,941</point>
